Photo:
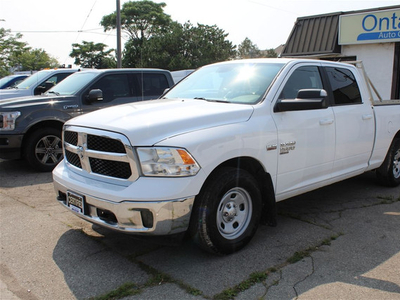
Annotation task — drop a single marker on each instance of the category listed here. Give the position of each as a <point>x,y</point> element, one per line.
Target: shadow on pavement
<point>17,173</point>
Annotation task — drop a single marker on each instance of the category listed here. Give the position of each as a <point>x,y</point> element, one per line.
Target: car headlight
<point>165,162</point>
<point>7,120</point>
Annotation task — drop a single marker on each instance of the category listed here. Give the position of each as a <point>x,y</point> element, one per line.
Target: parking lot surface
<point>339,242</point>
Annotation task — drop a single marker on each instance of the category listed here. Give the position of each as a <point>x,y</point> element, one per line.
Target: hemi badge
<point>271,147</point>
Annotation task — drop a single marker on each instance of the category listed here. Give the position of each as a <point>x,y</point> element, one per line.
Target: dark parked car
<point>30,127</point>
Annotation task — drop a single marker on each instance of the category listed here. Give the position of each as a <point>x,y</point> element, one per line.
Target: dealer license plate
<point>76,202</point>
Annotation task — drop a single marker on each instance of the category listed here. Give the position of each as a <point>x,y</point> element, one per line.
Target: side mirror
<point>95,95</point>
<point>306,99</point>
<point>311,94</point>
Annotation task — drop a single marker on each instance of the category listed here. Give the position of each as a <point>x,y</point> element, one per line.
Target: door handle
<point>326,122</point>
<point>367,117</point>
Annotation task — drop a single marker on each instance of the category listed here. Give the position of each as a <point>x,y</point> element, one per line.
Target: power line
<point>59,31</point>
<point>79,31</point>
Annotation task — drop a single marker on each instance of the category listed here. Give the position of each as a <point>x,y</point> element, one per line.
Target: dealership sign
<point>371,27</point>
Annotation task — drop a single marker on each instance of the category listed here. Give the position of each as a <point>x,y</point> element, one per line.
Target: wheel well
<point>44,124</point>
<point>264,181</point>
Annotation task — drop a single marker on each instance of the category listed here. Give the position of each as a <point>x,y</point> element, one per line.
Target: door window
<point>113,86</point>
<point>302,78</point>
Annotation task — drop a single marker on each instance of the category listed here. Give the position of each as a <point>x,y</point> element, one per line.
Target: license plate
<point>76,202</point>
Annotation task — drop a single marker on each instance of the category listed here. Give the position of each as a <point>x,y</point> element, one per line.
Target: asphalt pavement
<point>339,242</point>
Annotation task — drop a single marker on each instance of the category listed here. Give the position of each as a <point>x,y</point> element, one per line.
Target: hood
<point>20,103</point>
<point>13,93</point>
<point>149,122</point>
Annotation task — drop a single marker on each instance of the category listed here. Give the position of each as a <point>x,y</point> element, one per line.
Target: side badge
<point>71,106</point>
<point>286,147</point>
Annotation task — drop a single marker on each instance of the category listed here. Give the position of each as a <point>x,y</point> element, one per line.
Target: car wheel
<point>44,149</point>
<point>389,172</point>
<point>227,211</point>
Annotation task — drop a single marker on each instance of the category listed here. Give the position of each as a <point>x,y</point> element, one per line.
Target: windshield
<point>6,79</point>
<point>73,83</point>
<point>242,82</point>
<point>33,79</point>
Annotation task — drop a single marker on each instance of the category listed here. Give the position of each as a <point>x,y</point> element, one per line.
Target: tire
<point>227,211</point>
<point>388,173</point>
<point>44,149</point>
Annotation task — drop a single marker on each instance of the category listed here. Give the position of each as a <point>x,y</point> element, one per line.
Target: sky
<point>54,25</point>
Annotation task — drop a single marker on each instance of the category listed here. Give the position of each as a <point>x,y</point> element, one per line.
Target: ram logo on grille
<point>98,152</point>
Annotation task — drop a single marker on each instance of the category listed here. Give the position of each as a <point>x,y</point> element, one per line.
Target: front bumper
<point>113,207</point>
<point>155,218</point>
<point>10,146</point>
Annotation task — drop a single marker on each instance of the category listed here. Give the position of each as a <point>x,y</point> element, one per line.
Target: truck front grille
<point>99,153</point>
<point>100,143</point>
<point>110,168</point>
<point>73,159</point>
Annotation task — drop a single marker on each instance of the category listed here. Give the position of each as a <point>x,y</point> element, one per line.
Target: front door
<point>306,138</point>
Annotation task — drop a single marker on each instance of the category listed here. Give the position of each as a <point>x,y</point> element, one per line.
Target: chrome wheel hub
<point>234,213</point>
<point>49,150</point>
<point>396,164</point>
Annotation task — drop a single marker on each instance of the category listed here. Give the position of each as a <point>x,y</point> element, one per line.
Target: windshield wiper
<point>53,92</point>
<point>211,100</point>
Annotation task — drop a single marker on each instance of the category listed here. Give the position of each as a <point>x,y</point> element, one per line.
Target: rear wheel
<point>389,172</point>
<point>44,149</point>
<point>227,211</point>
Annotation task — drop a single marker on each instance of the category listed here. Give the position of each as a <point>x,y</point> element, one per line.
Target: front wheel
<point>227,211</point>
<point>44,149</point>
<point>389,172</point>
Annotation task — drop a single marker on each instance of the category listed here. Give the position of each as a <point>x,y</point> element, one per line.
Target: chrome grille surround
<point>107,155</point>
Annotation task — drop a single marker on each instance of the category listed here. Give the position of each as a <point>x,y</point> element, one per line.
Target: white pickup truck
<point>214,155</point>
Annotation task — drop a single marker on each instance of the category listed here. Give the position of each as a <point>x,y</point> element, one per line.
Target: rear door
<point>354,123</point>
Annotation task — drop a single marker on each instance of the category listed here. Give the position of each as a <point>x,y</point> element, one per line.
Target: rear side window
<point>153,84</point>
<point>344,86</point>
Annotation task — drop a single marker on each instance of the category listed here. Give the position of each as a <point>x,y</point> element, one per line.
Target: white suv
<point>37,83</point>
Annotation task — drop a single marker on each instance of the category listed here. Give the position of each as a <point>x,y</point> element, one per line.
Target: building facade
<point>371,36</point>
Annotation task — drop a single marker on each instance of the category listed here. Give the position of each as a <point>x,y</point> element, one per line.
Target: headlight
<point>164,161</point>
<point>7,120</point>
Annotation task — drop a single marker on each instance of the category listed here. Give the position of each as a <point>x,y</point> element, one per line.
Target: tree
<point>248,50</point>
<point>16,55</point>
<point>90,55</point>
<point>139,19</point>
<point>10,49</point>
<point>181,47</point>
<point>164,50</point>
<point>157,41</point>
<point>270,53</point>
<point>36,59</point>
<point>206,44</point>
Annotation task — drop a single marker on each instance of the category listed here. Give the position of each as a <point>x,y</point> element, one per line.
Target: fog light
<point>147,218</point>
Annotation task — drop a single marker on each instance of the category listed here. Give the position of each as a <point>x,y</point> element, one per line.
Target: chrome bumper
<point>154,218</point>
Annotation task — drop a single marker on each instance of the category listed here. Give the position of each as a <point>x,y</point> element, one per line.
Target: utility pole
<point>118,25</point>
